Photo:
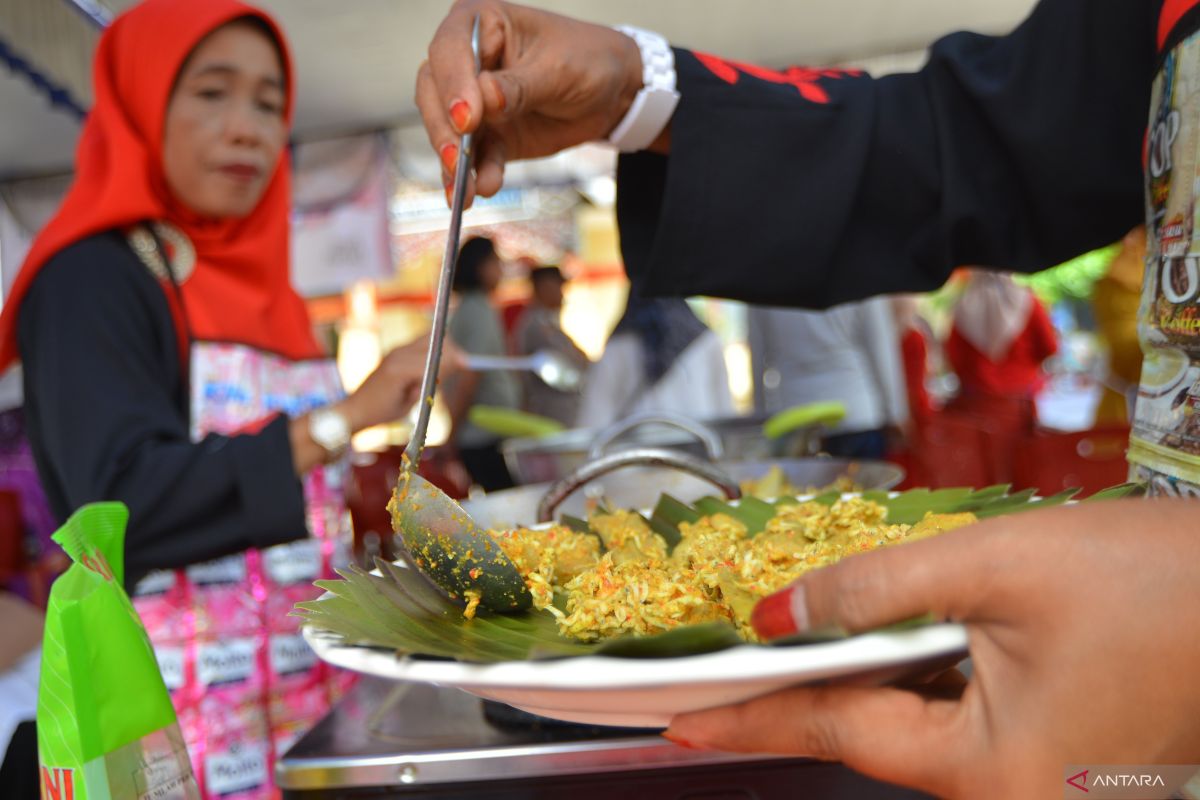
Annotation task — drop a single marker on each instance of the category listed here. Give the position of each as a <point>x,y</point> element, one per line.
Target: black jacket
<point>1015,152</point>
<point>107,410</point>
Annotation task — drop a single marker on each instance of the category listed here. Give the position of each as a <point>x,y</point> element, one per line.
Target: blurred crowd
<point>880,358</point>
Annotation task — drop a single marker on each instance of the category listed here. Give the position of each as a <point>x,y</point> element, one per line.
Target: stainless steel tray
<point>407,734</point>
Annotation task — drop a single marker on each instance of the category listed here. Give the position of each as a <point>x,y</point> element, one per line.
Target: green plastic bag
<point>106,728</point>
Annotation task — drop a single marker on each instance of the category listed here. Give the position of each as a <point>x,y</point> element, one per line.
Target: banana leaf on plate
<point>396,609</point>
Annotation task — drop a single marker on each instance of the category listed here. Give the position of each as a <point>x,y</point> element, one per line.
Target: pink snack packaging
<point>237,766</point>
<point>231,682</point>
<point>222,596</point>
<point>288,573</point>
<point>161,602</point>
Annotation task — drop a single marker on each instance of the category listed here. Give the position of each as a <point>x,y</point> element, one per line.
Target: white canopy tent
<point>357,58</point>
<point>356,64</point>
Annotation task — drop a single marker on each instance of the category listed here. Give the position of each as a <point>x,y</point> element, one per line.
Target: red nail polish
<point>460,115</point>
<point>772,616</point>
<point>502,101</point>
<point>683,743</point>
<point>449,154</point>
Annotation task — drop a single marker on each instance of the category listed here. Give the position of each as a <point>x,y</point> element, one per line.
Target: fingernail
<point>781,614</point>
<point>682,742</point>
<point>449,154</point>
<point>460,115</point>
<point>501,99</point>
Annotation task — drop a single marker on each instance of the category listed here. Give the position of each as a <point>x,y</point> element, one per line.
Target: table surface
<point>407,736</point>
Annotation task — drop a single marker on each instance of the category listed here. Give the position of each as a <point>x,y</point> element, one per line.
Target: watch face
<point>330,430</point>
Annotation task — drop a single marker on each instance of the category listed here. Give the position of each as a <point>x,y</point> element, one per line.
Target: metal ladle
<point>553,368</point>
<point>438,538</point>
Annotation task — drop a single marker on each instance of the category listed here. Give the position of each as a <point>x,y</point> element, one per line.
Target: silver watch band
<point>655,101</point>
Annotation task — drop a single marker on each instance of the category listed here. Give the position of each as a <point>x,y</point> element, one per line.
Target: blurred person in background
<point>512,311</point>
<point>169,364</point>
<point>475,326</point>
<point>999,338</point>
<point>917,339</point>
<point>540,328</point>
<point>20,650</point>
<point>659,357</point>
<point>27,536</point>
<point>849,353</point>
<point>1115,301</point>
<point>922,462</point>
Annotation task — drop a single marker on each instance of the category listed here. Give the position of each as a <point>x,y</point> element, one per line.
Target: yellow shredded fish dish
<point>625,579</point>
<point>775,483</point>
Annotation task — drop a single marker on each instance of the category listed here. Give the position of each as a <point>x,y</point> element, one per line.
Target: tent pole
<point>92,11</point>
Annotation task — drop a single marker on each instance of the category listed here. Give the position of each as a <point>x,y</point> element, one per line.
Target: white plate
<point>646,693</point>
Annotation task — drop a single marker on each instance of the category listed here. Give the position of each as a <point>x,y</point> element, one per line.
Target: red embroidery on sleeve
<point>1170,15</point>
<point>805,79</point>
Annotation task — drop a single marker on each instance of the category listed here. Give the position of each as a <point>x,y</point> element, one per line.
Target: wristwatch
<point>655,101</point>
<point>331,430</point>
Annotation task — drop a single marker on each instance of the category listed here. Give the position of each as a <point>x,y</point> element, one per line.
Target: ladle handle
<point>637,457</point>
<point>441,306</point>
<point>478,363</point>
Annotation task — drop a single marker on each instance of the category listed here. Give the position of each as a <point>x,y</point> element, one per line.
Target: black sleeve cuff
<point>641,186</point>
<point>271,494</point>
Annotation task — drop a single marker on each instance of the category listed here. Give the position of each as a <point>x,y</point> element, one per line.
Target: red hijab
<point>239,290</point>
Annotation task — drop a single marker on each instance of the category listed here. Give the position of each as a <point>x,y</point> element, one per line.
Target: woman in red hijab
<point>169,364</point>
<point>1000,336</point>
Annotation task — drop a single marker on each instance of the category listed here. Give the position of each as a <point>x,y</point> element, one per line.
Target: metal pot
<point>637,478</point>
<point>549,458</point>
